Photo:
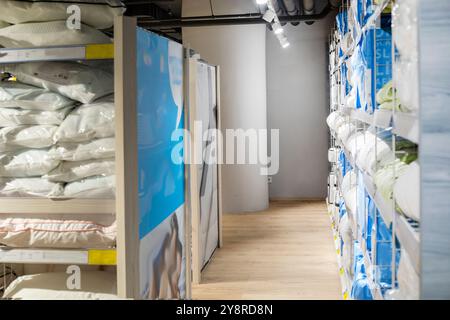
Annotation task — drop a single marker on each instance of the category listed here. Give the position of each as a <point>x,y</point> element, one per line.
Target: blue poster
<point>161,179</point>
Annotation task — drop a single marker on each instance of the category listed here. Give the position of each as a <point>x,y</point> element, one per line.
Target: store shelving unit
<point>402,125</point>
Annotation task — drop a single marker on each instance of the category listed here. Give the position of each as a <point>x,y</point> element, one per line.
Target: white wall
<point>297,104</point>
<point>241,53</point>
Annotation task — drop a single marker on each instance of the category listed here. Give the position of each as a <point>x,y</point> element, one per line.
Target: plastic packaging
<point>73,171</point>
<point>10,117</point>
<point>96,13</point>
<point>29,187</point>
<point>88,122</point>
<point>28,163</point>
<point>407,191</point>
<point>26,137</point>
<point>19,95</point>
<point>71,79</point>
<point>91,150</point>
<point>95,188</point>
<point>49,233</point>
<point>54,33</point>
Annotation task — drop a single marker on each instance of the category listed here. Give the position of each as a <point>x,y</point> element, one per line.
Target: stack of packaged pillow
<point>57,131</point>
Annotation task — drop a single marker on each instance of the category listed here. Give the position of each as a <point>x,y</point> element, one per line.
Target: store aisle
<point>285,252</point>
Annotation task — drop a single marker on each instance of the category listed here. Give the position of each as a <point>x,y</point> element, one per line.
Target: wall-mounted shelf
<point>49,206</point>
<point>61,53</point>
<point>59,256</point>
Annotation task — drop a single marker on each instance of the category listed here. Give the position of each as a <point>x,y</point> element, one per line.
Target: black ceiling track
<point>240,19</point>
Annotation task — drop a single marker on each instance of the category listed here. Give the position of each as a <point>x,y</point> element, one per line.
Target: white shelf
<point>61,53</point>
<point>406,125</point>
<point>58,256</point>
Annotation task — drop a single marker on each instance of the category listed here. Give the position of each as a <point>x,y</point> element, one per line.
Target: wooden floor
<point>286,252</point>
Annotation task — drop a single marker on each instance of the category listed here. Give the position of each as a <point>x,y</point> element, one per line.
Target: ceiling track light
<point>276,26</point>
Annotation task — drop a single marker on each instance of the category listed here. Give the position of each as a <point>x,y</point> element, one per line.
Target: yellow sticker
<point>338,251</point>
<point>345,295</point>
<point>102,257</point>
<point>100,51</point>
<point>341,271</point>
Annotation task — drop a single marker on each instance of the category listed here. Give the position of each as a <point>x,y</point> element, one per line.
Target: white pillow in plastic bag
<point>19,95</point>
<point>95,285</point>
<point>96,13</point>
<point>30,187</point>
<point>48,233</point>
<point>10,117</point>
<point>33,137</point>
<point>73,171</point>
<point>332,118</point>
<point>378,157</point>
<point>44,34</point>
<point>345,131</point>
<point>407,191</point>
<point>91,150</point>
<point>94,188</point>
<point>71,79</point>
<point>350,200</point>
<point>349,181</point>
<point>87,122</point>
<point>28,163</point>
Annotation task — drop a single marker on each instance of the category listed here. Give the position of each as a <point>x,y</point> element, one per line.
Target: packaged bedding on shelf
<point>87,122</point>
<point>408,281</point>
<point>73,171</point>
<point>96,13</point>
<point>93,187</point>
<point>20,137</point>
<point>12,117</point>
<point>95,285</point>
<point>45,34</point>
<point>50,233</point>
<point>29,187</point>
<point>22,96</point>
<point>26,163</point>
<point>90,150</point>
<point>73,80</point>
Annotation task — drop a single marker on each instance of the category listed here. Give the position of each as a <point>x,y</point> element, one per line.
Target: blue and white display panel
<point>161,180</point>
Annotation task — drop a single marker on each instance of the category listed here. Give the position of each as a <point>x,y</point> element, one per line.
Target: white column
<point>240,50</point>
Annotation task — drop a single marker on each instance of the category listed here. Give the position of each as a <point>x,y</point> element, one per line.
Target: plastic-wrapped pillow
<point>407,191</point>
<point>96,13</point>
<point>73,171</point>
<point>95,285</point>
<point>349,181</point>
<point>22,137</point>
<point>378,157</point>
<point>47,233</point>
<point>350,200</point>
<point>4,24</point>
<point>385,178</point>
<point>345,231</point>
<point>87,122</point>
<point>369,143</point>
<point>405,28</point>
<point>94,188</point>
<point>44,34</point>
<point>386,93</point>
<point>10,117</point>
<point>406,74</point>
<point>95,149</point>
<point>27,163</point>
<point>332,118</point>
<point>29,187</point>
<point>19,95</point>
<point>345,131</point>
<point>70,79</point>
